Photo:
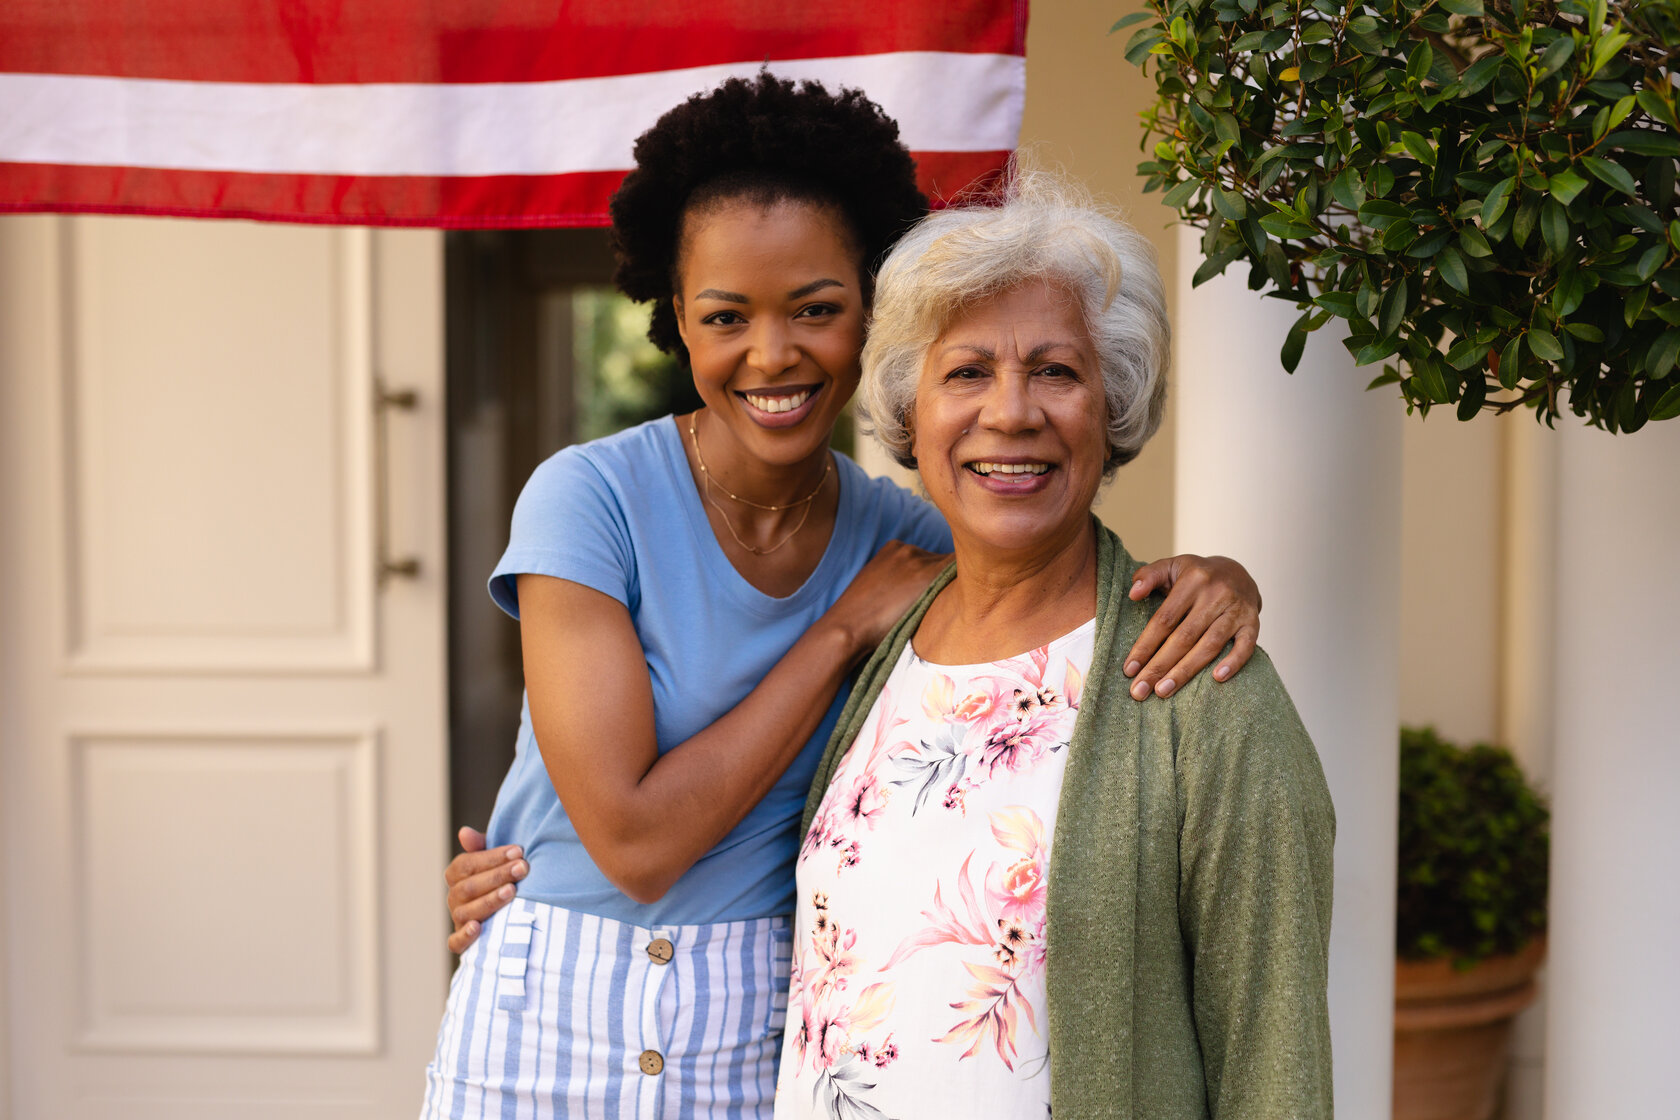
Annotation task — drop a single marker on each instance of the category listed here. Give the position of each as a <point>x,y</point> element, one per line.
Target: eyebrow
<point>797,293</point>
<point>1035,355</point>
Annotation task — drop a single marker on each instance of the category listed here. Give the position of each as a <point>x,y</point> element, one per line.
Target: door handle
<point>384,400</point>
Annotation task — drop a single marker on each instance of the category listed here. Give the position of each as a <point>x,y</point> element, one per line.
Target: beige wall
<point>1083,100</point>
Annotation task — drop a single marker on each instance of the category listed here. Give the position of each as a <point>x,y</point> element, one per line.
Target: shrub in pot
<point>1470,920</point>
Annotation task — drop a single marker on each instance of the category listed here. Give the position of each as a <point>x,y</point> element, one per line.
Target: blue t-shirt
<point>622,515</point>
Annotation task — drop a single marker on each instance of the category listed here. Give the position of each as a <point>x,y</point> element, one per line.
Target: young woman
<point>692,595</point>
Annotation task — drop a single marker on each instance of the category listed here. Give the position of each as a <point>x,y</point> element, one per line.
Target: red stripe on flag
<point>401,41</point>
<point>502,201</point>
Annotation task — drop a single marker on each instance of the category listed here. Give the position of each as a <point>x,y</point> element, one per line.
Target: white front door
<point>222,759</point>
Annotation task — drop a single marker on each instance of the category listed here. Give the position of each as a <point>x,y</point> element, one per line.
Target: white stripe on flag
<point>943,102</point>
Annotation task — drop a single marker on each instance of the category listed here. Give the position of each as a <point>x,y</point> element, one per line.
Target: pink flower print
<point>849,857</point>
<point>864,801</point>
<point>1015,944</point>
<point>939,698</point>
<point>822,830</point>
<point>1016,745</point>
<point>1073,684</point>
<point>957,797</point>
<point>992,1007</point>
<point>886,1054</point>
<point>835,1024</point>
<point>1030,702</point>
<point>1019,891</point>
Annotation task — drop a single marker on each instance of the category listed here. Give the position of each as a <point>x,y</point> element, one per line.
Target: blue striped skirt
<point>553,1013</point>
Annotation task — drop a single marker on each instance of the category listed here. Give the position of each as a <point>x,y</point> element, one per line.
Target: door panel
<point>223,755</point>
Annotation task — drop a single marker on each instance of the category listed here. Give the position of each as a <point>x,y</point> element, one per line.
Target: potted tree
<point>1470,922</point>
<point>1483,191</point>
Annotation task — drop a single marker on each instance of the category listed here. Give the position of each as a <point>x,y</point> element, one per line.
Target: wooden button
<point>660,950</point>
<point>652,1062</point>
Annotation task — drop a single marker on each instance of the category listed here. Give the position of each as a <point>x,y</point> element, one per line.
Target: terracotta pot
<point>1452,1030</point>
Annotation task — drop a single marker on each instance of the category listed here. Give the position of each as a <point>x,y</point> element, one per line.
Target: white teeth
<point>779,404</point>
<point>1009,468</point>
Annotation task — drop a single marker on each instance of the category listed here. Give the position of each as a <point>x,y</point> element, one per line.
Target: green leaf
<point>1643,142</point>
<point>1510,363</point>
<point>1467,352</point>
<point>1463,7</point>
<point>1181,193</point>
<point>1347,189</point>
<point>1127,21</point>
<point>1652,259</point>
<point>1264,42</point>
<point>1586,332</point>
<point>1392,311</point>
<point>1605,49</point>
<point>1493,205</point>
<point>1474,242</point>
<point>1295,342</point>
<point>1674,233</point>
<point>1419,147</point>
<point>1338,303</point>
<point>1669,406</point>
<point>1544,344</point>
<point>1612,174</point>
<point>1565,185</point>
<point>1634,305</point>
<point>1379,213</point>
<point>1215,264</point>
<point>1481,72</point>
<point>1554,227</point>
<point>1142,42</point>
<point>1417,66</point>
<point>1376,352</point>
<point>1475,395</point>
<point>1287,226</point>
<point>1653,104</point>
<point>1427,373</point>
<point>1388,376</point>
<point>1451,267</point>
<point>1230,204</point>
<point>1555,55</point>
<point>1659,360</point>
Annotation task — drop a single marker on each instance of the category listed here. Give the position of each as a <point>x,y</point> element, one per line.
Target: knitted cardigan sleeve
<point>1255,838</point>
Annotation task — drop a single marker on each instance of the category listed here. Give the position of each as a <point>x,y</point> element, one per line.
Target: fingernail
<point>1140,690</point>
<point>515,853</point>
<point>1165,688</point>
<point>505,893</point>
<point>520,868</point>
<point>1222,673</point>
<point>1138,586</point>
<point>470,927</point>
<point>1132,668</point>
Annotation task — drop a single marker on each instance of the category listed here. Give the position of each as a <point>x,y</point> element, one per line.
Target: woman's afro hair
<point>769,140</point>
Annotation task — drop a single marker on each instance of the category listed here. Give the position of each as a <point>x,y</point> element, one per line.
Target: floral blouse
<point>918,984</point>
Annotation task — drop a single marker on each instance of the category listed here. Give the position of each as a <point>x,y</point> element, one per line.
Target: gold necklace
<point>706,475</point>
<point>694,434</point>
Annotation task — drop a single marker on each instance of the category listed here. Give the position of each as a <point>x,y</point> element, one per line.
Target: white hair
<point>1045,229</point>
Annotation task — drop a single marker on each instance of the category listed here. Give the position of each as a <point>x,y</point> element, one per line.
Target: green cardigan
<point>1189,905</point>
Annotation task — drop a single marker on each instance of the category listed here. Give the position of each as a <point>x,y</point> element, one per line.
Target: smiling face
<point>1010,423</point>
<point>770,306</point>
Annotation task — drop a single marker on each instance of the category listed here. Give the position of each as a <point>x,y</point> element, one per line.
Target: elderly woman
<point>1018,889</point>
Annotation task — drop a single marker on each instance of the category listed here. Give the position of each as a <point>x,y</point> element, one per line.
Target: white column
<point>1298,476</point>
<point>1615,906</point>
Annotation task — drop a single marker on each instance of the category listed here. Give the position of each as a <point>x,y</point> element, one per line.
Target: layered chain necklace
<point>709,482</point>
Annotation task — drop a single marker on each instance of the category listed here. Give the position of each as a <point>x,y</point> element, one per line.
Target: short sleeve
<point>568,523</point>
<point>909,518</point>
